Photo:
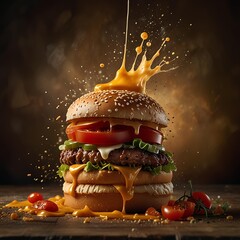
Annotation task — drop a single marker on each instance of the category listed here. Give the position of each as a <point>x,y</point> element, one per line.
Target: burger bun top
<point>121,104</point>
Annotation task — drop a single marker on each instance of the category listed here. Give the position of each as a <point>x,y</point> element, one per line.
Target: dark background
<point>50,55</point>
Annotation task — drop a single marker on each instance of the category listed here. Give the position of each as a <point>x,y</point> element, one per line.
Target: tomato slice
<point>150,135</point>
<point>99,133</point>
<point>106,138</point>
<point>95,126</point>
<point>173,213</point>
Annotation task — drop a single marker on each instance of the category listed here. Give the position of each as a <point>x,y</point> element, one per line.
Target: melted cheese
<point>18,204</point>
<point>134,124</point>
<point>85,212</point>
<point>127,191</point>
<point>74,171</point>
<point>104,151</point>
<point>136,78</point>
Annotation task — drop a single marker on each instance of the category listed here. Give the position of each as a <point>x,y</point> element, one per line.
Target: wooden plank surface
<point>69,227</point>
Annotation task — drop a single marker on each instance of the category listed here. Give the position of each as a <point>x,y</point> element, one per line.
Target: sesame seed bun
<point>121,104</point>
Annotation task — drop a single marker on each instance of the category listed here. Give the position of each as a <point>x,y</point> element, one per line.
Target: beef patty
<point>121,156</point>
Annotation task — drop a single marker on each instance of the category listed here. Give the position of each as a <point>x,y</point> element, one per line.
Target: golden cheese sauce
<point>18,204</point>
<point>85,212</point>
<point>136,78</point>
<point>74,171</point>
<point>127,191</point>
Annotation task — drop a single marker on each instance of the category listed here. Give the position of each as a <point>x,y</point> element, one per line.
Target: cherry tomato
<point>99,133</point>
<point>171,202</point>
<point>173,213</point>
<point>151,211</point>
<point>188,207</point>
<point>200,198</point>
<point>34,197</point>
<point>46,205</point>
<point>218,210</point>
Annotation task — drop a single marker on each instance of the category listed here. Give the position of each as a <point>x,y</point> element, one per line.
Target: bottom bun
<point>108,202</point>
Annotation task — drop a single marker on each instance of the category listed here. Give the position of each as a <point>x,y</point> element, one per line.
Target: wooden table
<point>69,227</point>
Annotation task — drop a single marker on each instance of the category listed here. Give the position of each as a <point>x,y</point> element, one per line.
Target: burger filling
<point>151,157</point>
<point>103,143</point>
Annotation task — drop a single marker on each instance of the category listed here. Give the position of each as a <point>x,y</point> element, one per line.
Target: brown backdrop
<point>50,54</point>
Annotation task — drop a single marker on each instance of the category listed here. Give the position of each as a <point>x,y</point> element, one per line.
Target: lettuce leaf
<point>153,148</point>
<point>163,168</point>
<point>62,170</point>
<point>88,168</point>
<point>69,144</point>
<point>98,166</point>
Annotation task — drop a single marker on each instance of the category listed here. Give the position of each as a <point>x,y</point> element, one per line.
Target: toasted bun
<point>117,104</point>
<point>104,201</point>
<point>116,178</point>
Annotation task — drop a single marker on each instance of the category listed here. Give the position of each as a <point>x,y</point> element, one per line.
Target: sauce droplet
<point>144,36</point>
<point>148,44</point>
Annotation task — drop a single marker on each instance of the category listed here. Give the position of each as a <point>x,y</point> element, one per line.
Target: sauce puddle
<point>27,207</point>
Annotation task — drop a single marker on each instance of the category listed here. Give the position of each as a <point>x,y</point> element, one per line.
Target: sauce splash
<point>136,78</point>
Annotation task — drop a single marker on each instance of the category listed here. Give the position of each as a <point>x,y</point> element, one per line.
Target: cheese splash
<point>136,78</point>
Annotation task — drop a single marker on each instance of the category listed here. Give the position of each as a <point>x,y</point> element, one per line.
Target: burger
<point>114,157</point>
